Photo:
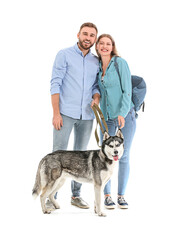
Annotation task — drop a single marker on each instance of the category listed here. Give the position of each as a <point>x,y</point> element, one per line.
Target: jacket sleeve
<point>126,87</point>
<point>95,87</point>
<point>58,72</point>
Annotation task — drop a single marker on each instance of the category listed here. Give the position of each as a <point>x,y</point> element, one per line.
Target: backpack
<point>138,89</point>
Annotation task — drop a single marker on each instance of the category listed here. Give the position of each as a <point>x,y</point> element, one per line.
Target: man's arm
<point>57,118</point>
<point>58,73</point>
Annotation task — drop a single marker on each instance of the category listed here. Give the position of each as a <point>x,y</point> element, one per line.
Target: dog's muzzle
<point>115,157</point>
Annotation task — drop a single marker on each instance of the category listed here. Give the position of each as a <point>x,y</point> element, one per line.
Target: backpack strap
<point>143,106</point>
<point>117,69</point>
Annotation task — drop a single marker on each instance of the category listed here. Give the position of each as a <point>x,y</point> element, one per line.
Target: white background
<point>32,32</point>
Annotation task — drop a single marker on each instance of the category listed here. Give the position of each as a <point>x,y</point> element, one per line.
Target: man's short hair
<point>88,24</point>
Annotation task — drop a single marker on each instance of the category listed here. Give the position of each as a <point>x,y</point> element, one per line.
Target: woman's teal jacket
<point>115,95</point>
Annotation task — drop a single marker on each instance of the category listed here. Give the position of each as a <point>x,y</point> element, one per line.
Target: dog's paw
<point>101,214</point>
<point>47,211</point>
<point>56,205</point>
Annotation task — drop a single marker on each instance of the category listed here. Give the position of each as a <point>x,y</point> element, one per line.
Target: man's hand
<point>93,102</point>
<point>96,99</point>
<point>57,121</point>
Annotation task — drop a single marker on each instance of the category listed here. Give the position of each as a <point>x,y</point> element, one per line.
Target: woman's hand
<point>121,121</point>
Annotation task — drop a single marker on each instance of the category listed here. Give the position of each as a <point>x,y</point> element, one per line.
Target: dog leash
<point>98,113</point>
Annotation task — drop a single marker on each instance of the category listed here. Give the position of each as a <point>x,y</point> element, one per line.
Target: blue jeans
<point>82,132</point>
<point>124,168</point>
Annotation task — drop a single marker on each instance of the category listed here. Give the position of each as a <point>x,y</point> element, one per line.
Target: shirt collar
<point>79,51</point>
<point>112,60</point>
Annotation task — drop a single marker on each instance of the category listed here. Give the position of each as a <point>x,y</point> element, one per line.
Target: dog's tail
<point>37,186</point>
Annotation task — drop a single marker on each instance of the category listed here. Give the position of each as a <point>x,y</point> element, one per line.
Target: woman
<point>117,108</point>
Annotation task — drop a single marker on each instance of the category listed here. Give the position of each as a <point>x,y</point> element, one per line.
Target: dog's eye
<point>111,146</point>
<point>118,145</point>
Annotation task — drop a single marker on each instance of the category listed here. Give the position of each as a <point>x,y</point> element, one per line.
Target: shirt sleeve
<point>126,87</point>
<point>58,72</point>
<point>95,87</point>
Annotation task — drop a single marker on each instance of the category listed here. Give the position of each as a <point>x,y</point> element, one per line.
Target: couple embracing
<point>80,79</point>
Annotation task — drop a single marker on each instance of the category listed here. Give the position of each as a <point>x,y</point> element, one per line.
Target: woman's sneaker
<point>108,203</point>
<point>122,203</point>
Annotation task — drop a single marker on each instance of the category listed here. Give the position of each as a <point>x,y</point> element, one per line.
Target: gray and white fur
<point>95,166</point>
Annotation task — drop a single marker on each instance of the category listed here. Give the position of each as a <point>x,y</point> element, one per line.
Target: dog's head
<point>113,147</point>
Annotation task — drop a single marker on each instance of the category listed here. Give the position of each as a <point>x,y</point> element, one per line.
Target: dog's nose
<point>116,152</point>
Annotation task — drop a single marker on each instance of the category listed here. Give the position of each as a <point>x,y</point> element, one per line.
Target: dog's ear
<point>119,134</point>
<point>105,136</point>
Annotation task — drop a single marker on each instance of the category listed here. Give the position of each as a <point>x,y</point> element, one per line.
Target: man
<point>74,90</point>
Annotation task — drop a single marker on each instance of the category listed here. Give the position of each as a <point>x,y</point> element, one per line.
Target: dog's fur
<point>94,166</point>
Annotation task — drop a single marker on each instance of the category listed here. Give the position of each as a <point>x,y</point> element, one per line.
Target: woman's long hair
<point>114,50</point>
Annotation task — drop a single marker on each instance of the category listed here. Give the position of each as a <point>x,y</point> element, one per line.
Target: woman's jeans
<point>128,132</point>
<point>82,133</point>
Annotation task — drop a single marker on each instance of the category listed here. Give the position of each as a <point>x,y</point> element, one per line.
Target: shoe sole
<point>84,207</point>
<point>109,207</point>
<point>122,207</point>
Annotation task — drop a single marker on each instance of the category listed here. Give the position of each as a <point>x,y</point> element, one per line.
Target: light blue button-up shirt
<point>74,78</point>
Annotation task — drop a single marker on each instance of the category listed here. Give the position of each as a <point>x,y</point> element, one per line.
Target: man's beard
<point>83,47</point>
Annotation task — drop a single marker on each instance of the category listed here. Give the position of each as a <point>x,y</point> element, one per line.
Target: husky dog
<point>94,166</point>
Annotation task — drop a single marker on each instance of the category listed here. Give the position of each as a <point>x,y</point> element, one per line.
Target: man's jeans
<point>128,132</point>
<point>82,132</point>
